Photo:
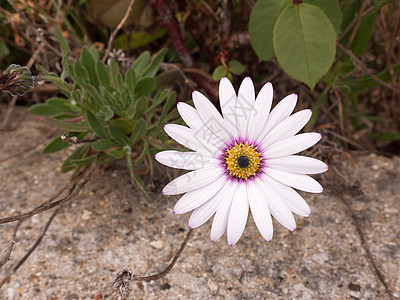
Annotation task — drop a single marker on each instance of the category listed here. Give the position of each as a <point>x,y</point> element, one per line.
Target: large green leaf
<point>304,42</point>
<point>332,10</point>
<point>261,25</point>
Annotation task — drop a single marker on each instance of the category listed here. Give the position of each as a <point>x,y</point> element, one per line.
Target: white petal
<point>190,115</point>
<point>220,221</point>
<point>260,112</point>
<point>287,128</point>
<point>187,137</point>
<point>292,145</point>
<point>277,205</point>
<point>192,118</point>
<point>210,116</point>
<point>238,214</point>
<point>201,214</point>
<point>244,105</point>
<point>280,112</point>
<point>194,199</point>
<point>185,160</point>
<point>192,181</point>
<point>297,181</point>
<point>260,211</point>
<point>292,199</point>
<point>227,98</point>
<point>297,164</point>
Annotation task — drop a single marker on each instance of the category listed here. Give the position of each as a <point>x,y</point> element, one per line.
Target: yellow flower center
<point>242,161</point>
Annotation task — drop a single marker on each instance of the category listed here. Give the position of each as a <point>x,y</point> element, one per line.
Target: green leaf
<point>158,99</point>
<point>219,72</point>
<point>73,127</point>
<point>124,124</point>
<point>332,10</point>
<point>113,70</point>
<point>363,35</point>
<point>116,153</point>
<point>134,176</point>
<point>140,106</point>
<point>4,51</point>
<point>80,74</point>
<point>105,113</point>
<point>89,63</point>
<point>61,40</point>
<point>118,135</point>
<point>385,136</point>
<point>130,81</point>
<point>304,42</point>
<point>155,64</point>
<point>102,73</point>
<point>96,125</point>
<point>138,131</point>
<point>141,63</point>
<point>59,103</point>
<point>145,87</point>
<point>236,67</point>
<point>77,154</point>
<point>261,25</point>
<point>65,66</point>
<point>380,3</point>
<point>103,145</point>
<point>82,161</point>
<point>169,103</point>
<point>55,145</point>
<point>45,110</point>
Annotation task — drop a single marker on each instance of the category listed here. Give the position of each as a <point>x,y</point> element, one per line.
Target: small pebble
<point>157,244</point>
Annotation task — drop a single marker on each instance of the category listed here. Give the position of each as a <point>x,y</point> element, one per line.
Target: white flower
<point>243,159</point>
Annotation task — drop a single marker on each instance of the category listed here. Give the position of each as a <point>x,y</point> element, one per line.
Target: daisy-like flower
<point>242,159</point>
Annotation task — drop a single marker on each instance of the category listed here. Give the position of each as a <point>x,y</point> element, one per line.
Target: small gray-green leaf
<point>141,63</point>
<point>118,135</point>
<point>155,64</point>
<point>139,130</point>
<point>261,25</point>
<point>105,113</point>
<point>96,125</point>
<point>304,42</point>
<point>103,145</point>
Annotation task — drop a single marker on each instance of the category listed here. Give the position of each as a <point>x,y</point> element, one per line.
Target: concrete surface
<point>110,227</point>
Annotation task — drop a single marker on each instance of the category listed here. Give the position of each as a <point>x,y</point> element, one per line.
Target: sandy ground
<point>110,227</point>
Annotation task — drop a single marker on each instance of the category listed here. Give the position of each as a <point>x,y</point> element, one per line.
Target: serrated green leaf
<point>152,69</point>
<point>96,125</point>
<point>61,40</point>
<point>55,145</point>
<point>261,25</point>
<point>103,145</point>
<point>118,135</point>
<point>304,42</point>
<point>219,72</point>
<point>144,87</point>
<point>332,10</point>
<point>141,63</point>
<point>236,67</point>
<point>138,131</point>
